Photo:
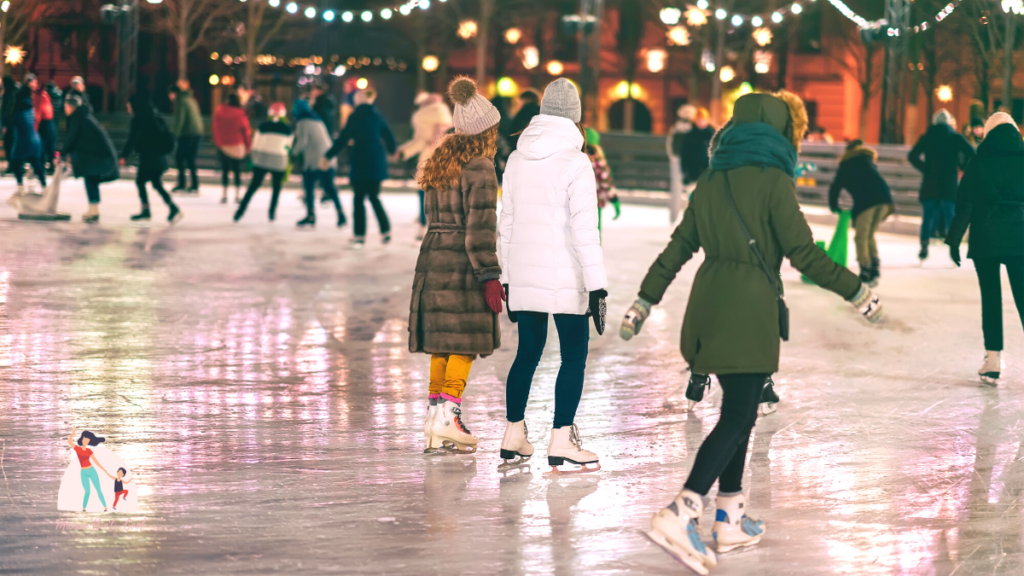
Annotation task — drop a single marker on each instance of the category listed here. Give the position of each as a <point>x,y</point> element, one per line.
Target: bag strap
<point>750,238</point>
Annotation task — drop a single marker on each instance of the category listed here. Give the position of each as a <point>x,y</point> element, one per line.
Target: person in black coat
<point>373,142</point>
<point>872,204</point>
<point>92,153</point>
<point>151,138</point>
<point>10,86</point>
<point>991,201</point>
<point>325,106</point>
<point>694,154</point>
<point>27,146</point>
<point>944,153</point>
<point>76,88</point>
<point>529,106</point>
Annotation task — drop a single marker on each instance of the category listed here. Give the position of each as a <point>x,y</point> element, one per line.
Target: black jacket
<point>693,157</point>
<point>327,109</point>
<point>520,122</point>
<point>91,150</point>
<point>143,137</point>
<point>991,198</point>
<point>859,176</point>
<point>11,88</point>
<point>945,152</point>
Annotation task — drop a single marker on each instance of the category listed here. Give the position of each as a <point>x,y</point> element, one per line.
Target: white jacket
<point>429,124</point>
<point>550,247</point>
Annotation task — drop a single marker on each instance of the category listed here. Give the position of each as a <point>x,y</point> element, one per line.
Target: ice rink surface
<point>256,379</point>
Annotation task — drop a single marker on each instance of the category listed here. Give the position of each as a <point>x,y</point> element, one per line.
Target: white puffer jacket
<point>550,247</point>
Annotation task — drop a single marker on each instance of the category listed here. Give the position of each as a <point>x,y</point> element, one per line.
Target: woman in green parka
<point>732,325</point>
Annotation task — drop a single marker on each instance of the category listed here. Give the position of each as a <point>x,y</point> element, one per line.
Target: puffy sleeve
<point>480,202</point>
<point>586,238</point>
<point>684,244</point>
<point>506,220</point>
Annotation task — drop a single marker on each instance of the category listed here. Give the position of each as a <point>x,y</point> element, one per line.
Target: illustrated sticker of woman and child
<point>82,472</point>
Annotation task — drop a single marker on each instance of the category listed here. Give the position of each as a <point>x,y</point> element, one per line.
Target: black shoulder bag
<point>783,310</point>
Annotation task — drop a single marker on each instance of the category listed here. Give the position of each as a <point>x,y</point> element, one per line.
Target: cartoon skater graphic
<point>119,482</point>
<point>89,463</point>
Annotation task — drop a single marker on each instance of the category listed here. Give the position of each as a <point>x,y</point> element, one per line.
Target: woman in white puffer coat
<point>551,263</point>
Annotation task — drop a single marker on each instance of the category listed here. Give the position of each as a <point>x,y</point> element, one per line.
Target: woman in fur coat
<point>456,294</point>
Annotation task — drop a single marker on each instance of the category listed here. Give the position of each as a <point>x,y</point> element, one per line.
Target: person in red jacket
<point>232,136</point>
<point>46,126</point>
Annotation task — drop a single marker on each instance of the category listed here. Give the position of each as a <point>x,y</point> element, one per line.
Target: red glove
<point>493,294</point>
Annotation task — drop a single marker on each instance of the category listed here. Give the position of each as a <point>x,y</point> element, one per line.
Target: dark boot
<point>307,221</point>
<point>923,254</point>
<point>142,216</point>
<point>175,215</point>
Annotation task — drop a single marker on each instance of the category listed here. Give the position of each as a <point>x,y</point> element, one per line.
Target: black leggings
<point>724,451</point>
<point>156,178</point>
<point>369,189</point>
<point>257,179</point>
<point>188,148</point>
<point>989,280</point>
<point>18,167</point>
<point>229,164</point>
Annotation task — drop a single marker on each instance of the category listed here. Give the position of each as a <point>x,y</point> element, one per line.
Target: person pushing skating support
<point>745,216</point>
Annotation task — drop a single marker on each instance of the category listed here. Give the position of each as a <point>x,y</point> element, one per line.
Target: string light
<point>366,16</point>
<point>329,15</point>
<point>670,16</point>
<point>292,8</point>
<point>346,16</point>
<point>796,9</point>
<point>386,13</point>
<point>756,21</point>
<point>310,12</point>
<point>721,14</point>
<point>737,20</point>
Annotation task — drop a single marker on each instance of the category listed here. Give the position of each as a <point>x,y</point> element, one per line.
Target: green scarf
<point>753,144</point>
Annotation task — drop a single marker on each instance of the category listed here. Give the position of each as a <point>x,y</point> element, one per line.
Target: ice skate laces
<point>457,416</point>
<point>574,438</point>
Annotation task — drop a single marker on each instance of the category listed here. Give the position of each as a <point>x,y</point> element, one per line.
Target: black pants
<point>326,180</point>
<point>9,147</point>
<point>18,167</point>
<point>229,164</point>
<point>989,280</point>
<point>573,339</point>
<point>276,178</point>
<point>48,136</point>
<point>368,189</point>
<point>724,451</point>
<point>188,149</point>
<point>156,178</point>
<point>92,189</point>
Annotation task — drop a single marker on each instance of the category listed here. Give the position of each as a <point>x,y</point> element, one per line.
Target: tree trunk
<point>865,113</point>
<point>3,45</point>
<point>482,29</point>
<point>1011,28</point>
<point>182,40</point>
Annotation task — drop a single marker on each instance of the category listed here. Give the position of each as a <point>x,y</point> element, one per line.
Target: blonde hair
<point>444,168</point>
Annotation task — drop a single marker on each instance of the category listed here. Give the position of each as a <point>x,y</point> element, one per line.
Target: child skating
<point>456,295</point>
<point>119,489</point>
<point>744,214</point>
<point>552,264</point>
<point>605,185</point>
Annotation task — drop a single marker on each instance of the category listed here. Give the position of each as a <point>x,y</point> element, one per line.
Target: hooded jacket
<point>188,120</point>
<point>731,325</point>
<point>693,156</point>
<point>991,198</point>
<point>311,138</point>
<point>11,87</point>
<point>230,126</point>
<point>144,136</point>
<point>520,121</point>
<point>551,254</point>
<point>27,144</point>
<point>42,105</point>
<point>944,153</point>
<point>89,146</point>
<point>270,145</point>
<point>859,175</point>
<point>429,123</point>
<point>372,141</point>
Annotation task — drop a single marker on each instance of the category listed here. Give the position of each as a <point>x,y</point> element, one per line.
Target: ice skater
<point>552,264</point>
<point>150,136</point>
<point>872,204</point>
<point>119,490</point>
<point>991,201</point>
<point>745,216</point>
<point>431,121</point>
<point>311,143</point>
<point>87,461</point>
<point>270,148</point>
<point>27,145</point>
<point>232,135</point>
<point>605,185</point>
<point>92,153</point>
<point>456,295</point>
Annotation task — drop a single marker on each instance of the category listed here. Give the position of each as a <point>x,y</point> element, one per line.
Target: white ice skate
<point>516,449</point>
<point>989,371</point>
<point>432,443</point>
<point>733,528</point>
<point>450,434</point>
<point>566,445</point>
<point>675,528</point>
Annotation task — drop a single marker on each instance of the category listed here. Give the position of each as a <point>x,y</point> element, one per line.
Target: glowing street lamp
<point>670,16</point>
<point>531,57</point>
<point>14,55</point>
<point>555,68</point>
<point>762,61</point>
<point>467,29</point>
<point>430,63</point>
<point>726,74</point>
<point>678,36</point>
<point>945,93</point>
<point>214,79</point>
<point>763,36</point>
<point>656,60</point>
<point>362,83</point>
<point>696,17</point>
<point>512,35</point>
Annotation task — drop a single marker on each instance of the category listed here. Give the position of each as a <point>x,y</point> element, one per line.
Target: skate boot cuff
<point>450,398</point>
<point>433,399</point>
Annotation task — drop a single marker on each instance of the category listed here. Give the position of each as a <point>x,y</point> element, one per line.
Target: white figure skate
<point>733,528</point>
<point>675,528</point>
<point>32,206</point>
<point>449,432</point>
<point>566,445</point>
<point>516,449</point>
<point>432,444</point>
<point>989,371</point>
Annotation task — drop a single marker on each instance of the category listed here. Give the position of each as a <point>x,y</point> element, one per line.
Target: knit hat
<point>473,113</point>
<point>561,99</point>
<point>975,121</point>
<point>30,77</point>
<point>686,112</point>
<point>997,119</point>
<point>277,110</point>
<point>141,101</point>
<point>366,96</point>
<point>943,117</point>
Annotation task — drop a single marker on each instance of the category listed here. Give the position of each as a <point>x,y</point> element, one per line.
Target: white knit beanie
<point>998,119</point>
<point>561,99</point>
<point>686,112</point>
<point>473,113</point>
<point>366,96</point>
<point>943,117</point>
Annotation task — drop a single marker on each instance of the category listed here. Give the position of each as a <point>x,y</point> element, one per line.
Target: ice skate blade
<point>768,408</point>
<point>723,548</point>
<point>989,379</point>
<point>583,469</point>
<point>691,562</point>
<point>519,462</point>
<point>452,447</point>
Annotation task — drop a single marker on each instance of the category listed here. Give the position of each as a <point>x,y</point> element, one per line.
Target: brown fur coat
<point>448,314</point>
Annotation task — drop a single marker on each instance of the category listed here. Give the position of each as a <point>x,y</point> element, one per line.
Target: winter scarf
<point>753,144</point>
<point>301,111</point>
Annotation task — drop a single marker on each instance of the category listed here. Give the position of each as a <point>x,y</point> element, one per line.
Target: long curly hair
<point>444,168</point>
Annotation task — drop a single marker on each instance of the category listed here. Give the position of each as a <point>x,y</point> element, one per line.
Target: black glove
<point>513,316</point>
<point>954,254</point>
<point>598,309</point>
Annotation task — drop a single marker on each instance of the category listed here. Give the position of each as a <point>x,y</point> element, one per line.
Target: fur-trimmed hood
<point>782,110</point>
<point>856,151</point>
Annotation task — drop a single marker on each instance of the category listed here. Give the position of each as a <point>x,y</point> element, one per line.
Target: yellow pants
<point>448,375</point>
<point>866,226</point>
